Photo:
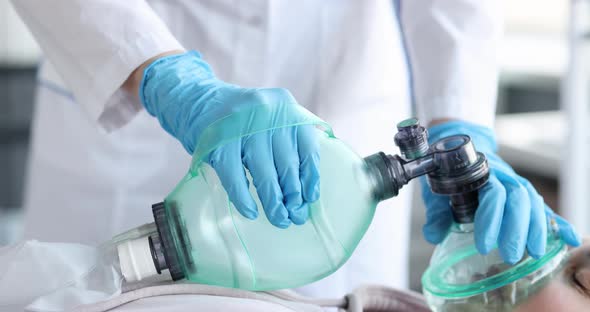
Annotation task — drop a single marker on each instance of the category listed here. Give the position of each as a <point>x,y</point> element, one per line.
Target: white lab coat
<point>99,160</point>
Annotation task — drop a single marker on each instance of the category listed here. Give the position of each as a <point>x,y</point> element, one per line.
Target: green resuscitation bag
<point>200,236</point>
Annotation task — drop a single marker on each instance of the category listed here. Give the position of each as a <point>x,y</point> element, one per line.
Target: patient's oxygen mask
<point>459,278</point>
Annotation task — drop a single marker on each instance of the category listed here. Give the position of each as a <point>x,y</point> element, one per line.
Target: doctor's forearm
<point>132,83</point>
<point>94,45</point>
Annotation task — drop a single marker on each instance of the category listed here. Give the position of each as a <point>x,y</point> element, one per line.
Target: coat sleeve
<point>94,46</point>
<point>452,46</point>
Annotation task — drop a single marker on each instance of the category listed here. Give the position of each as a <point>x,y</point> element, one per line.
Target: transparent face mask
<point>460,279</point>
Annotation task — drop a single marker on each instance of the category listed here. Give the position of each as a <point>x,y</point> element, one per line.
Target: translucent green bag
<point>216,245</point>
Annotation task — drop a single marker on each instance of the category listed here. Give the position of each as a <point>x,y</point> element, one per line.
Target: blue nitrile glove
<point>511,213</point>
<point>186,97</point>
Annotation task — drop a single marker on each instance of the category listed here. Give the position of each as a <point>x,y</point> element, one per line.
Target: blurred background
<point>531,131</point>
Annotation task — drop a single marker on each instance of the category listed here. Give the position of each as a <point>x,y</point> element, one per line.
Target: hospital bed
<point>185,297</point>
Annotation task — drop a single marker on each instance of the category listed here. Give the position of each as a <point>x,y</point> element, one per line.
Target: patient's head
<point>569,290</point>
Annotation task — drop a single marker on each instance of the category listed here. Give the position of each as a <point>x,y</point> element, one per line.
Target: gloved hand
<point>186,97</point>
<point>511,213</point>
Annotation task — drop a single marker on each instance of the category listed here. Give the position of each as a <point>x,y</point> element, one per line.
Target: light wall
<point>17,46</point>
<point>530,16</point>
